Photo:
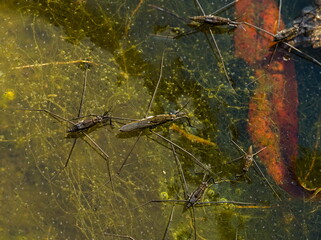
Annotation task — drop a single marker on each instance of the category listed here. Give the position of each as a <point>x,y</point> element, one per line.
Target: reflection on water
<point>42,45</point>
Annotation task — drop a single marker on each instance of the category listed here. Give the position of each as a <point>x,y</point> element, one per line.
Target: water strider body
<point>213,20</point>
<point>152,121</point>
<point>247,156</point>
<point>86,124</point>
<point>249,159</point>
<point>197,194</point>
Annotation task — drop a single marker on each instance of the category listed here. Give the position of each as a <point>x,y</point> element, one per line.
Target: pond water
<point>46,47</point>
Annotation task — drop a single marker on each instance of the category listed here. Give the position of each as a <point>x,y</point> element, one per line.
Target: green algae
<point>41,41</point>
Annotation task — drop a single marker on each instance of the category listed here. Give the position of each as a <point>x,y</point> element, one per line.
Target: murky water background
<point>118,37</point>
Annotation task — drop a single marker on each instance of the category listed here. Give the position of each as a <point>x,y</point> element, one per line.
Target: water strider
<point>193,199</point>
<point>92,120</point>
<point>249,160</point>
<point>199,22</point>
<point>149,122</point>
<point>205,23</point>
<point>306,31</point>
<point>82,127</point>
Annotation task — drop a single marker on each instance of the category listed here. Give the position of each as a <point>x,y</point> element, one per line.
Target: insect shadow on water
<point>283,37</point>
<point>149,122</point>
<point>249,160</point>
<point>206,23</point>
<point>194,199</point>
<point>82,127</point>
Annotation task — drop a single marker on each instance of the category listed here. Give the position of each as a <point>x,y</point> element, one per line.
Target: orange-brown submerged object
<point>191,137</point>
<point>273,120</point>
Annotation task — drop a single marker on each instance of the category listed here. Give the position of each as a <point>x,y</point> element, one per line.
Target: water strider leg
<point>277,29</point>
<point>198,162</point>
<point>169,222</point>
<point>217,48</point>
<point>147,111</point>
<point>181,173</point>
<point>157,85</point>
<point>121,167</point>
<point>78,114</point>
<point>258,169</point>
<point>70,152</point>
<point>302,54</point>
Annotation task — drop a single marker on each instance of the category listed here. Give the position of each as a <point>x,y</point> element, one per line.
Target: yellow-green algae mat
<point>45,46</point>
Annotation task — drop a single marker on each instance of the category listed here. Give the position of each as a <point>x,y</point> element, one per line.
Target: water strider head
<point>178,115</point>
<point>248,159</point>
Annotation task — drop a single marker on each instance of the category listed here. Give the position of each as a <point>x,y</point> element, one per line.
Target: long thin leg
<point>124,162</point>
<point>266,180</point>
<point>235,159</point>
<point>198,162</point>
<point>168,12</point>
<point>308,57</point>
<point>224,8</point>
<point>97,146</point>
<point>217,48</point>
<point>180,170</point>
<point>222,60</point>
<point>201,203</point>
<point>105,157</point>
<point>158,82</point>
<point>169,221</point>
<point>83,93</point>
<point>169,200</point>
<point>178,35</point>
<point>182,110</point>
<point>200,7</point>
<point>277,29</point>
<point>78,114</point>
<point>95,115</point>
<point>147,111</point>
<point>70,152</point>
<point>118,235</point>
<point>279,16</point>
<point>50,113</point>
<point>66,120</point>
<point>254,154</point>
<point>185,34</point>
<point>245,153</point>
<point>194,222</point>
<point>223,202</point>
